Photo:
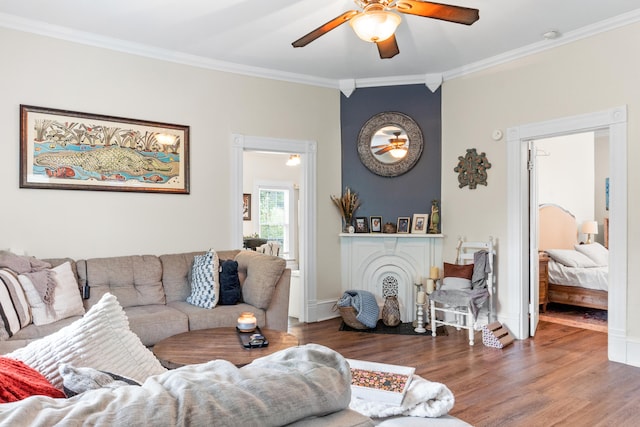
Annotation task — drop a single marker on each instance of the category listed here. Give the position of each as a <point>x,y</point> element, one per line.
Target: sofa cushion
<point>33,331</point>
<point>19,381</point>
<point>204,280</point>
<point>221,316</point>
<point>66,297</point>
<point>262,273</point>
<point>152,323</point>
<point>134,280</point>
<point>101,339</point>
<point>175,272</point>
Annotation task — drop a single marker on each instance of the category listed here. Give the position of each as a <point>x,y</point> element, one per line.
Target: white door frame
<point>308,190</point>
<point>615,120</point>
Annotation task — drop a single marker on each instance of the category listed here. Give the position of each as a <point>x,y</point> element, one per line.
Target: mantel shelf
<point>394,235</point>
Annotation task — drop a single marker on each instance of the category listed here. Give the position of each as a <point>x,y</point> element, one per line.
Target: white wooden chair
<point>457,303</point>
<point>269,248</point>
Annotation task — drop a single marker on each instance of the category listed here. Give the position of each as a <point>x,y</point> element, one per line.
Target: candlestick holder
<point>420,321</point>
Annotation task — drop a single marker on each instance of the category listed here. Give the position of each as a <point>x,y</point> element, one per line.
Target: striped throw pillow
<point>14,307</point>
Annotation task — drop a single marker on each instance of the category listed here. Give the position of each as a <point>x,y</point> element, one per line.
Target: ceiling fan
<point>377,24</point>
<point>395,146</point>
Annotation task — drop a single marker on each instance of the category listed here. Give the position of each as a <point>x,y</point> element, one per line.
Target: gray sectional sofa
<point>153,292</point>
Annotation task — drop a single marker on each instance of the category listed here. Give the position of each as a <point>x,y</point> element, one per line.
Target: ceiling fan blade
<point>384,150</point>
<point>388,48</point>
<point>445,12</point>
<point>373,147</point>
<point>325,28</point>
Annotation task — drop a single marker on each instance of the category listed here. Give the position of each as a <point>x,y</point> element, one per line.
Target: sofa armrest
<point>278,312</point>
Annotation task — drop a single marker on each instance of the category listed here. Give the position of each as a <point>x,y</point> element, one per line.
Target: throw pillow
<point>19,381</point>
<point>78,380</point>
<point>456,284</point>
<point>570,258</point>
<point>205,286</point>
<point>262,273</point>
<point>230,292</point>
<point>455,270</point>
<point>67,301</point>
<point>596,252</point>
<point>101,339</point>
<point>14,307</point>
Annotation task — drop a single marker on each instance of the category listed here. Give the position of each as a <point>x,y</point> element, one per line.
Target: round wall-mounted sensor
<point>497,135</point>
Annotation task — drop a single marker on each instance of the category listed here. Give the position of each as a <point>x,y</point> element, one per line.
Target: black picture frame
<point>362,224</point>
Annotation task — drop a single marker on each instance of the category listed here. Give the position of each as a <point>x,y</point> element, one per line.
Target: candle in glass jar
<point>434,273</point>
<point>247,322</point>
<point>422,297</point>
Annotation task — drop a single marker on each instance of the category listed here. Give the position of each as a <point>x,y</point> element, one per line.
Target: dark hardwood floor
<point>562,377</point>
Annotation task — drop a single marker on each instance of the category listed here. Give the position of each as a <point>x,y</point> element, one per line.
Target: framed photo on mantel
<point>403,224</point>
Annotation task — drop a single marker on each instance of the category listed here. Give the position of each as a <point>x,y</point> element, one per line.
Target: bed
<point>578,274</point>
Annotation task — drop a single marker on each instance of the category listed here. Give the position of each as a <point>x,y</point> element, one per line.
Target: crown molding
<point>86,38</point>
<point>95,40</point>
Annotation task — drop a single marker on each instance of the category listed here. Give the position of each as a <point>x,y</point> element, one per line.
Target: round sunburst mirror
<point>390,144</point>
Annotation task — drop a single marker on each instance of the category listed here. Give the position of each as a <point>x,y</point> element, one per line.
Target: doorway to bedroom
<point>522,249</point>
<point>571,173</point>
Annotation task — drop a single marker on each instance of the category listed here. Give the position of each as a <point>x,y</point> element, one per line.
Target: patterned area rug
<point>578,317</point>
<point>401,329</point>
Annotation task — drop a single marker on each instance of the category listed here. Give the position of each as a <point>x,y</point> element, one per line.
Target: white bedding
<point>596,278</point>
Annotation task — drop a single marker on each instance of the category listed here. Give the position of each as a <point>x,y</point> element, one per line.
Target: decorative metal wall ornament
<point>472,169</point>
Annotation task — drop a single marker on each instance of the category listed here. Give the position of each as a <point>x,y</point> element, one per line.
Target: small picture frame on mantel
<point>403,224</point>
<point>362,224</point>
<point>419,224</point>
<point>375,224</point>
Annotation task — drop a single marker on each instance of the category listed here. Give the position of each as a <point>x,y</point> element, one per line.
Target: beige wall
<point>57,74</point>
<point>586,76</point>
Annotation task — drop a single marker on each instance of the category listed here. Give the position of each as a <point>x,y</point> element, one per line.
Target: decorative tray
<point>253,339</point>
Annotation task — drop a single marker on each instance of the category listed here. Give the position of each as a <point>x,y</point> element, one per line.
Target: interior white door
<point>534,288</point>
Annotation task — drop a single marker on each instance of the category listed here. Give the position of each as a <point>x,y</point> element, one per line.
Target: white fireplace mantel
<point>370,260</point>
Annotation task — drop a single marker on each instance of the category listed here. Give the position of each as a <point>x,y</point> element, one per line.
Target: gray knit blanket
<point>365,305</point>
<point>39,272</point>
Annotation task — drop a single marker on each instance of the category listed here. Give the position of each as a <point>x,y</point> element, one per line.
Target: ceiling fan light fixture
<point>294,160</point>
<point>398,153</point>
<point>375,24</point>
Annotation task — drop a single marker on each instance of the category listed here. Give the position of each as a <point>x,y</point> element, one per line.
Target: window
<point>274,219</point>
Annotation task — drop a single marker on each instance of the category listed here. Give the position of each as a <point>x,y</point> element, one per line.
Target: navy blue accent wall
<point>404,195</point>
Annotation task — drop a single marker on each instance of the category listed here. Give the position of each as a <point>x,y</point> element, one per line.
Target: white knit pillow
<point>101,339</point>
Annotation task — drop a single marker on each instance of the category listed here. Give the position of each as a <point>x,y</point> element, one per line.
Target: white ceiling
<point>254,36</point>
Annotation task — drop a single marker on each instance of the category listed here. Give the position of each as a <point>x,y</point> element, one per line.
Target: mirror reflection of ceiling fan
<point>396,146</point>
<point>377,23</point>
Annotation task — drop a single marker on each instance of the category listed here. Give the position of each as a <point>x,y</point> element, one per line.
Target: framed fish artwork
<point>69,150</point>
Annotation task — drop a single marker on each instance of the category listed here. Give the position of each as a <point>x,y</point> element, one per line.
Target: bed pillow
<point>571,258</point>
<point>101,339</point>
<point>19,381</point>
<point>67,301</point>
<point>596,252</point>
<point>204,280</point>
<point>455,270</point>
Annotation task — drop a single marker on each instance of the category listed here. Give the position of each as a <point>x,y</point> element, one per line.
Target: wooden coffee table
<point>203,345</point>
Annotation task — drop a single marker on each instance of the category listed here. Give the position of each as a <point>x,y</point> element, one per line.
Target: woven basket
<point>349,317</point>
